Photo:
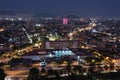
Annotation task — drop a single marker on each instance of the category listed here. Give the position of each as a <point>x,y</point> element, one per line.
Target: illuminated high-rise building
<point>65,21</point>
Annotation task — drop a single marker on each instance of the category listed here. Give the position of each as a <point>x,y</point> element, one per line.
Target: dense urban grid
<point>60,48</point>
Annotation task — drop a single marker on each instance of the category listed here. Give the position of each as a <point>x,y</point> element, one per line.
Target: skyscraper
<point>65,21</point>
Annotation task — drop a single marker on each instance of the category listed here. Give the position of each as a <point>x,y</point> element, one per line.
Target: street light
<point>78,57</point>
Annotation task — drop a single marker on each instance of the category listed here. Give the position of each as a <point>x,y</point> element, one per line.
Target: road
<point>17,74</point>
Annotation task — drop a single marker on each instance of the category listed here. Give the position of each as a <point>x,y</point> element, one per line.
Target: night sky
<point>84,8</point>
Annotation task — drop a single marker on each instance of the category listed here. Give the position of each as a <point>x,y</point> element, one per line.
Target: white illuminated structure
<point>63,52</point>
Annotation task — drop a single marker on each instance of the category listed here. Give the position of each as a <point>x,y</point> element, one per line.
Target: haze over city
<point>82,8</point>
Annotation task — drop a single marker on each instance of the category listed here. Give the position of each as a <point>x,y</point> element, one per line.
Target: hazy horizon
<point>83,8</point>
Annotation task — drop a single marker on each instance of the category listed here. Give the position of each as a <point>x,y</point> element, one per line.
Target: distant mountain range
<point>31,14</point>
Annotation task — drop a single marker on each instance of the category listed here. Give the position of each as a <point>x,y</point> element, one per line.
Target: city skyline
<point>83,8</point>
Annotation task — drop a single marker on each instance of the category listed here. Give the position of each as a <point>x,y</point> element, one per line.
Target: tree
<point>50,72</point>
<point>33,74</point>
<point>2,74</point>
<point>43,71</point>
<point>78,69</point>
<point>68,67</point>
